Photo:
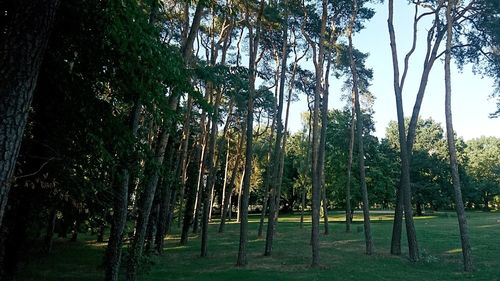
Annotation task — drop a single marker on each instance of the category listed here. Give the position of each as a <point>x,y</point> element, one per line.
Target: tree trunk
<point>226,206</point>
<point>163,217</point>
<point>322,142</point>
<point>50,231</point>
<point>201,174</point>
<point>278,147</point>
<point>404,153</point>
<point>243,207</point>
<point>318,58</point>
<point>120,204</point>
<point>146,202</point>
<point>359,135</point>
<point>191,183</point>
<point>211,167</point>
<point>459,205</point>
<point>303,206</point>
<point>26,29</point>
<point>398,223</point>
<point>165,195</point>
<point>348,216</point>
<point>267,183</point>
<point>152,223</point>
<point>184,156</point>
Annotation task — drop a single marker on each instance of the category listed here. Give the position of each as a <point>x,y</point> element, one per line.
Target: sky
<point>471,104</point>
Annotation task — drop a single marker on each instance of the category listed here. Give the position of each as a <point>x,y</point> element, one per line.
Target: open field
<point>342,254</point>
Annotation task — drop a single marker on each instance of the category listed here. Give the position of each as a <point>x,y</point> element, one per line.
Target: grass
<point>342,254</point>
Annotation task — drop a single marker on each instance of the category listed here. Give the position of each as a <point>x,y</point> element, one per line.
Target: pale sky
<point>470,93</point>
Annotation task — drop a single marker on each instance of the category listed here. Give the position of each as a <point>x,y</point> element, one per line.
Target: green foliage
<point>477,40</point>
<point>483,168</point>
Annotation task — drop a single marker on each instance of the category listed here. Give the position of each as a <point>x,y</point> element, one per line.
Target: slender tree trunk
<point>348,215</point>
<point>238,210</point>
<point>459,205</point>
<point>211,167</point>
<point>152,223</point>
<point>404,153</point>
<point>191,183</point>
<point>50,231</point>
<point>316,173</point>
<point>224,184</point>
<point>267,183</point>
<point>166,195</point>
<point>398,223</point>
<point>24,38</point>
<point>254,46</point>
<point>120,204</point>
<point>303,206</point>
<point>229,190</point>
<point>322,142</point>
<point>201,174</point>
<point>278,147</point>
<point>184,156</point>
<point>146,202</point>
<point>359,135</point>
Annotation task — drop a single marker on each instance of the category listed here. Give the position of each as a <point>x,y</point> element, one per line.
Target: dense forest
<point>128,118</point>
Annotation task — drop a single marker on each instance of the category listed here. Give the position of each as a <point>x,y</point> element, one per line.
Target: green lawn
<point>342,254</point>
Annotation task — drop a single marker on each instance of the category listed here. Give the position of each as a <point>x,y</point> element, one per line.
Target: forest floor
<point>341,254</point>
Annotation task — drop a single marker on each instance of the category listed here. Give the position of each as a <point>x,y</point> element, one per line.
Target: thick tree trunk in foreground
<point>459,205</point>
<point>24,36</point>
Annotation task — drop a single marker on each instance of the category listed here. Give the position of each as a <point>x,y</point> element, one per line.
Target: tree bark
<point>211,167</point>
<point>120,204</point>
<point>226,206</point>
<point>253,46</point>
<point>318,60</point>
<point>398,223</point>
<point>404,153</point>
<point>191,183</point>
<point>267,183</point>
<point>278,147</point>
<point>24,37</point>
<point>322,142</point>
<point>459,205</point>
<point>359,136</point>
<point>146,202</point>
<point>184,156</point>
<point>348,216</point>
<point>50,231</point>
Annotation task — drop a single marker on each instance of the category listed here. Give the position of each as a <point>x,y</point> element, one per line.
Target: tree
<point>254,47</point>
<point>483,167</point>
<point>359,135</point>
<point>450,135</point>
<point>23,47</point>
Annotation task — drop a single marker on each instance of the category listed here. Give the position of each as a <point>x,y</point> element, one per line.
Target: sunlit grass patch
<point>342,254</point>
